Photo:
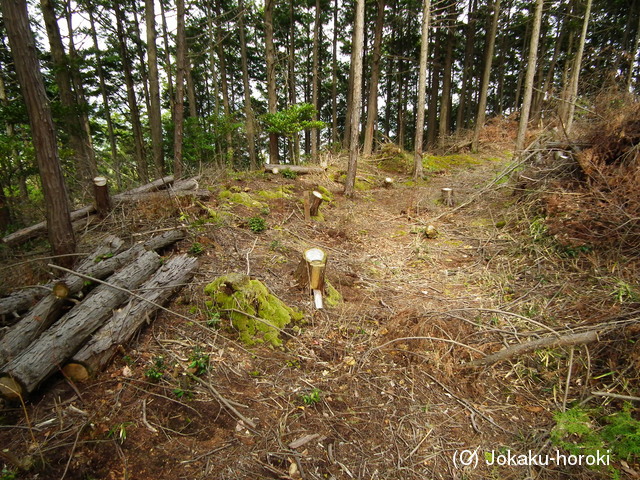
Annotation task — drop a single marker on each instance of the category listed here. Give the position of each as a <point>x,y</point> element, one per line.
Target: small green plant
<point>119,431</point>
<point>257,224</point>
<point>623,292</point>
<point>290,174</point>
<point>580,432</point>
<point>156,370</point>
<point>312,397</point>
<point>214,320</point>
<point>99,258</point>
<point>198,362</point>
<point>182,393</point>
<point>265,211</point>
<point>6,474</point>
<point>196,248</point>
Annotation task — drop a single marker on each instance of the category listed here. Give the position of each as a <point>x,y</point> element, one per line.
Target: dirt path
<point>370,389</point>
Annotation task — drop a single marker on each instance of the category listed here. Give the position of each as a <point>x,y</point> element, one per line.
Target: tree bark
<point>155,119</point>
<point>358,38</point>
<point>372,102</point>
<point>24,52</point>
<point>52,349</point>
<point>315,81</point>
<point>445,103</point>
<point>78,138</point>
<point>469,50</point>
<point>334,78</point>
<point>125,322</point>
<point>422,90</point>
<point>181,64</point>
<point>134,111</point>
<point>575,72</point>
<point>106,103</point>
<point>248,108</point>
<point>270,53</point>
<point>486,75</point>
<point>531,71</point>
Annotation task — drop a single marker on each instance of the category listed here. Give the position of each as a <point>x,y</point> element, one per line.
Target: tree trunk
<point>105,97</point>
<point>372,103</point>
<point>445,103</point>
<point>78,140</point>
<point>24,52</point>
<point>134,111</point>
<point>334,78</point>
<point>486,75</point>
<point>531,71</point>
<point>125,322</point>
<point>633,58</point>
<point>315,80</point>
<point>469,50</point>
<point>432,117</point>
<point>270,53</point>
<point>181,64</point>
<point>224,84</point>
<point>155,119</point>
<point>52,349</point>
<point>167,58</point>
<point>248,108</point>
<point>358,36</point>
<point>422,90</point>
<point>575,73</point>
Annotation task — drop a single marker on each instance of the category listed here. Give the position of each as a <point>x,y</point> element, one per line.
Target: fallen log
<point>22,300</point>
<point>301,169</point>
<point>38,229</point>
<point>125,322</point>
<point>49,309</point>
<point>546,342</point>
<point>53,348</point>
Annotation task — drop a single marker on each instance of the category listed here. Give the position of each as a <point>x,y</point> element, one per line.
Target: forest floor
<point>374,387</point>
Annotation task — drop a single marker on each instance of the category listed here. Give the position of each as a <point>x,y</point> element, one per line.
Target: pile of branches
<point>77,323</point>
<point>595,203</point>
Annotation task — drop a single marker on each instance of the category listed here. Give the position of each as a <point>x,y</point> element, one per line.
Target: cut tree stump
<point>310,273</point>
<point>316,201</point>
<point>388,182</point>
<point>301,169</point>
<point>101,195</point>
<point>126,321</point>
<point>48,310</point>
<point>447,197</point>
<point>53,348</point>
<point>22,300</point>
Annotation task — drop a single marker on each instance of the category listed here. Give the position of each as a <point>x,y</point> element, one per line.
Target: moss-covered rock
<point>283,191</point>
<point>257,315</point>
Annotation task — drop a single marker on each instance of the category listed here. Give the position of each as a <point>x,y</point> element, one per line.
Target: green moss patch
<point>280,192</point>
<point>327,196</point>
<point>241,198</point>
<point>256,314</point>
<point>333,296</point>
<point>433,163</point>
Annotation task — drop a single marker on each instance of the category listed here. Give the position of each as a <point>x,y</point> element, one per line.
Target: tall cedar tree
<point>422,87</point>
<point>25,56</point>
<point>354,109</point>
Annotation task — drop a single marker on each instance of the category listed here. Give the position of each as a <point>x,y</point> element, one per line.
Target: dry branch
<point>48,310</point>
<point>547,342</point>
<point>125,322</point>
<point>50,351</point>
<point>22,300</point>
<point>38,229</point>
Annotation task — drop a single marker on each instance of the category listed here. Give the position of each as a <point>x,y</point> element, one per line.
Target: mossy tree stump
<point>256,314</point>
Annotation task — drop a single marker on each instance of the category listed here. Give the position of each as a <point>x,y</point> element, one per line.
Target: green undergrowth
<point>583,431</point>
<point>256,314</point>
<point>240,198</point>
<point>333,296</point>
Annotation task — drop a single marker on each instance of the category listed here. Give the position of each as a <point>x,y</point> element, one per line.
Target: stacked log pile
<point>111,294</point>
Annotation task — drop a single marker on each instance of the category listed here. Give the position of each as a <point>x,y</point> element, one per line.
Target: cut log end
<point>388,182</point>
<point>76,372</point>
<point>61,290</point>
<point>10,389</point>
